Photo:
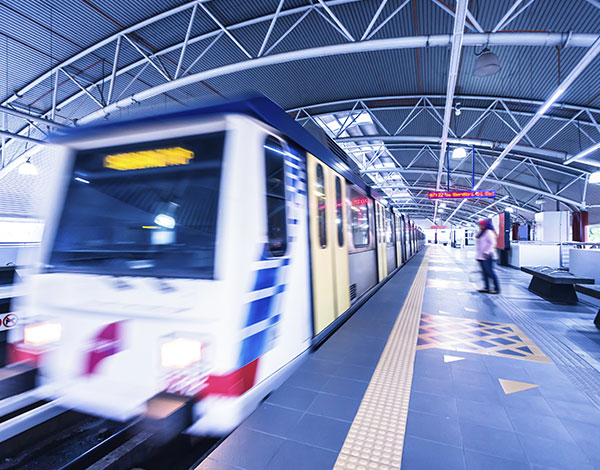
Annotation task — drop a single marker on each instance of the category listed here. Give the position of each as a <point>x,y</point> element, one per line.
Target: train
<point>201,253</point>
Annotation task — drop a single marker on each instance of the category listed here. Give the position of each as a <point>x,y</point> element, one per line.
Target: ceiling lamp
<point>539,201</point>
<point>509,209</point>
<point>457,109</point>
<point>594,177</point>
<point>459,153</point>
<point>486,64</point>
<point>28,168</point>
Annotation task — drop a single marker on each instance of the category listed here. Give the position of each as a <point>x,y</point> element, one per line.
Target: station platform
<point>431,374</point>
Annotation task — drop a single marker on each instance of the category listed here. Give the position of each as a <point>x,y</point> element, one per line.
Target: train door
<point>408,238</point>
<point>398,229</point>
<point>403,229</point>
<point>381,245</point>
<point>329,251</point>
<point>390,240</point>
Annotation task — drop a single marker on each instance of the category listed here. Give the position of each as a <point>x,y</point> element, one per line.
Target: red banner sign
<point>441,227</point>
<point>460,194</point>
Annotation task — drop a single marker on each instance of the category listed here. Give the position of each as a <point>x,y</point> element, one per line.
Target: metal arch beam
<point>29,117</point>
<point>429,140</point>
<point>507,39</point>
<point>322,109</point>
<point>547,165</point>
<point>154,19</point>
<point>506,99</point>
<point>24,138</point>
<point>510,184</point>
<point>470,202</point>
<point>417,213</point>
<point>428,210</point>
<point>474,207</point>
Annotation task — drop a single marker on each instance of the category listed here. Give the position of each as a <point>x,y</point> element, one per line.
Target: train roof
<point>258,107</point>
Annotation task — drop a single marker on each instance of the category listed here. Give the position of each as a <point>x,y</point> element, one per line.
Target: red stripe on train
<point>234,384</point>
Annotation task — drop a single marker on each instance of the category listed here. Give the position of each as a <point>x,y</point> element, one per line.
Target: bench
<point>554,285</point>
<point>592,291</point>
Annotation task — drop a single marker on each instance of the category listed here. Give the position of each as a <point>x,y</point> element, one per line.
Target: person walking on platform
<point>485,243</point>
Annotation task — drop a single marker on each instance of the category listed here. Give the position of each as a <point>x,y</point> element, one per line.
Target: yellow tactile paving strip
<point>477,336</point>
<point>376,437</point>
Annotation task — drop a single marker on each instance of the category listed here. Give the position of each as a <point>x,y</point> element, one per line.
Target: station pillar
<point>580,226</point>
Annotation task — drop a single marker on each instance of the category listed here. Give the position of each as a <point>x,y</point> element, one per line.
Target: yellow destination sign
<point>149,159</point>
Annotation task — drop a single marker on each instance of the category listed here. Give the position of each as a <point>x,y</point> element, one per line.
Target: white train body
<point>109,329</point>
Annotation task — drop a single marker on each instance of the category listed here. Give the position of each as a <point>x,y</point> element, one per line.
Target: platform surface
<point>484,382</point>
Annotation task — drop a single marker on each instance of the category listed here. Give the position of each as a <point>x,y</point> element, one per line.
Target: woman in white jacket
<point>485,243</point>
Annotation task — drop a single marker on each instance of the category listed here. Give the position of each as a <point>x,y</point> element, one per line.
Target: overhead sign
<point>441,227</point>
<point>460,194</point>
<point>149,159</point>
<point>8,320</point>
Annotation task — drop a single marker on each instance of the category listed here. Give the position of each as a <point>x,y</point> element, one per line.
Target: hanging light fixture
<point>539,201</point>
<point>459,153</point>
<point>457,109</point>
<point>486,64</point>
<point>28,168</point>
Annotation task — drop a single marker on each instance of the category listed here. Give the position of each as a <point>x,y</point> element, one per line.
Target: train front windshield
<point>144,209</point>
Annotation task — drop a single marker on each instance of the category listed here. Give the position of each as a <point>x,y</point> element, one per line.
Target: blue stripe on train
<point>266,278</point>
<point>253,347</point>
<point>259,310</point>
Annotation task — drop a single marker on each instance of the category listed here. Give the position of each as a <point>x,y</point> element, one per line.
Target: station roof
<point>392,81</point>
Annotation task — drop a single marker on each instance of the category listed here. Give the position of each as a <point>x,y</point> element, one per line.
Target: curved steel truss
<point>538,157</point>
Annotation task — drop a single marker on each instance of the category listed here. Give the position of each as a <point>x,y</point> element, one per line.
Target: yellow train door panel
<point>398,239</point>
<point>329,253</point>
<point>339,222</point>
<point>381,252</point>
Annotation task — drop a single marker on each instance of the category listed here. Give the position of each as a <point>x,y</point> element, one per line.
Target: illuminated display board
<point>460,194</point>
<point>436,227</point>
<point>158,158</point>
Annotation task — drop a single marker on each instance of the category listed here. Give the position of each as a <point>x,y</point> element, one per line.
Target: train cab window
<point>319,192</point>
<point>146,209</point>
<point>359,219</point>
<point>275,180</point>
<point>339,208</point>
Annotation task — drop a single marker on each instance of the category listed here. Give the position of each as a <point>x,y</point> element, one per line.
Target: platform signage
<point>440,227</point>
<point>460,194</point>
<point>8,320</point>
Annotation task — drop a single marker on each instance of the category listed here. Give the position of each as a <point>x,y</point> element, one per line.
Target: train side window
<point>276,211</point>
<point>359,219</point>
<point>319,192</point>
<point>389,234</point>
<point>339,208</point>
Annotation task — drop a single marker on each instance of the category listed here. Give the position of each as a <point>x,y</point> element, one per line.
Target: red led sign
<point>460,194</point>
<point>360,201</point>
<point>438,227</point>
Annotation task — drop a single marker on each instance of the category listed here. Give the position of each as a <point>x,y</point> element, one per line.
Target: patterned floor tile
<point>483,337</point>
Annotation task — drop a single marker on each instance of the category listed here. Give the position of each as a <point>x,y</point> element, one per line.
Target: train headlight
<point>180,353</point>
<point>39,334</point>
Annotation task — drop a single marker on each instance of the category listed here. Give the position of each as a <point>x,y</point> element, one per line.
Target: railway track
<point>39,434</point>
